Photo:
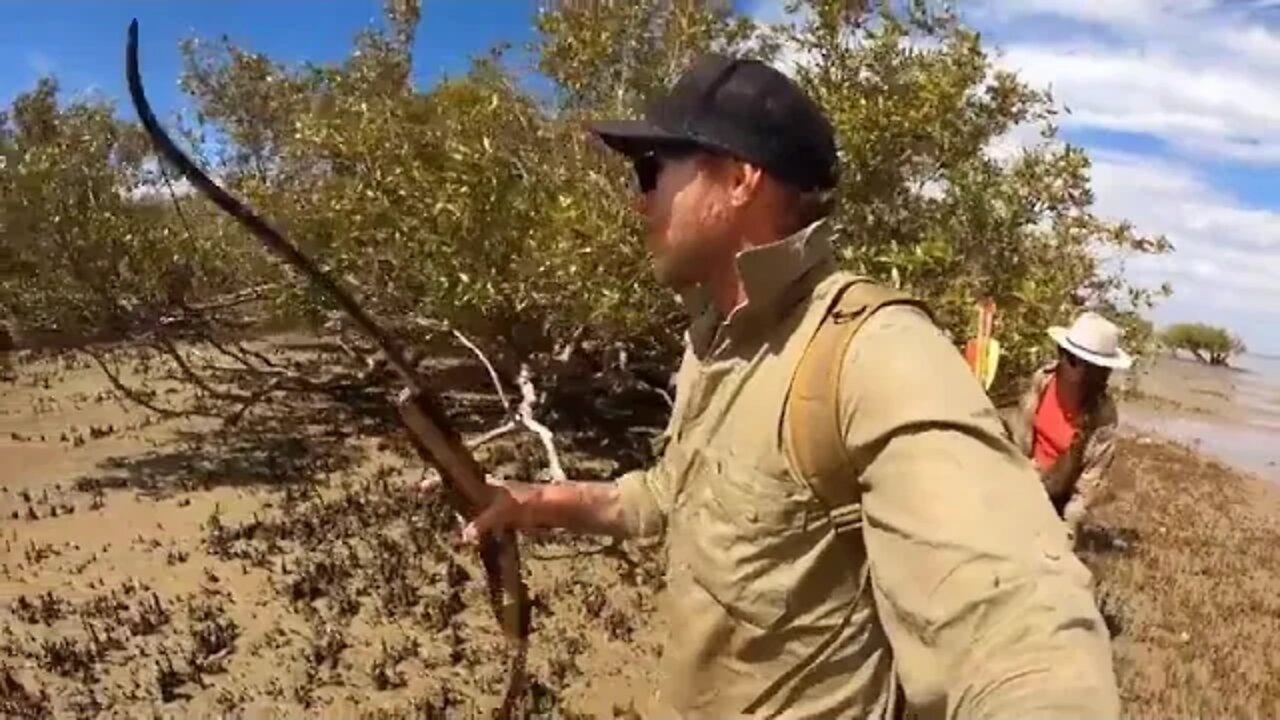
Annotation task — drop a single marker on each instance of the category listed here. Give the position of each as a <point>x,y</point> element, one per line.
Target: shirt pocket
<point>746,537</point>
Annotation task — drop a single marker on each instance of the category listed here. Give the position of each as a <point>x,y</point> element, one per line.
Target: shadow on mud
<point>289,444</point>
<point>308,440</point>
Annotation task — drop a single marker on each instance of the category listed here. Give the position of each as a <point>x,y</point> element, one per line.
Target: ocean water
<point>1251,442</point>
<point>1259,389</point>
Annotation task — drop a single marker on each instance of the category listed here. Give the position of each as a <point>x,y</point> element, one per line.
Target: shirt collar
<point>771,278</point>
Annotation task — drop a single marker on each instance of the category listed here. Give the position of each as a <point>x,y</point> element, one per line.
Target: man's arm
<point>623,508</point>
<point>987,610</point>
<point>590,508</point>
<point>1097,460</point>
<point>635,505</point>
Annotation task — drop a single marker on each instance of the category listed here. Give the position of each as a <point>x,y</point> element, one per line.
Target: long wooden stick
<point>435,439</point>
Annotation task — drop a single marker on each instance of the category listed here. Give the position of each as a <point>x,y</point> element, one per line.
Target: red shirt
<point>1052,431</point>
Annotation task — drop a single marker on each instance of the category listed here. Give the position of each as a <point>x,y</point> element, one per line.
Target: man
<point>1066,419</point>
<point>959,583</point>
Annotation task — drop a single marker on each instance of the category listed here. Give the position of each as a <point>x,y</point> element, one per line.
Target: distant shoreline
<point>1224,411</point>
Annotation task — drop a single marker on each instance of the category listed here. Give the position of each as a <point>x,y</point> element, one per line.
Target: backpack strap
<point>812,437</point>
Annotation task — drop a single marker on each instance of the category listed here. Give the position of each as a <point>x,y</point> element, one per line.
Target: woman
<point>1066,419</point>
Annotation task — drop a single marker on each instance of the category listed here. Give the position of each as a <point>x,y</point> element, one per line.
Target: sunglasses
<point>1074,361</point>
<point>649,165</point>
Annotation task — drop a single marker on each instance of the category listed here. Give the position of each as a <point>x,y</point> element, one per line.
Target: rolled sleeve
<point>1098,459</point>
<point>988,612</point>
<point>640,498</point>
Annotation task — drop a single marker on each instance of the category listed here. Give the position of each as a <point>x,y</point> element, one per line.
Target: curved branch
<point>168,348</point>
<point>262,230</point>
<point>240,297</point>
<point>500,431</point>
<point>277,373</point>
<point>135,396</point>
<point>493,374</point>
<point>435,439</point>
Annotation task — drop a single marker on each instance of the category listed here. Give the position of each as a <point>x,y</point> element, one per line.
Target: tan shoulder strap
<point>813,437</point>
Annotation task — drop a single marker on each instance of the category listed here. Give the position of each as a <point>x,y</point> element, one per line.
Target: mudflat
<point>152,565</point>
<point>1184,551</point>
<point>1230,413</point>
<point>1183,385</point>
<point>172,566</point>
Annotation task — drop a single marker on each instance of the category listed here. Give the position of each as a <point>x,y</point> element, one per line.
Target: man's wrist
<point>577,506</point>
<point>544,506</point>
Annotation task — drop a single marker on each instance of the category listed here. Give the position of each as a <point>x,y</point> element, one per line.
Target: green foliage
<point>916,104</point>
<point>476,203</point>
<point>85,247</point>
<point>1208,343</point>
<point>609,58</point>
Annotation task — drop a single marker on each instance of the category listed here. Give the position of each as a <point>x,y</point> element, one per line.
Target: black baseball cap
<point>739,107</point>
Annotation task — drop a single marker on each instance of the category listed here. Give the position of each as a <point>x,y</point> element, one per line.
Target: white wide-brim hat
<point>1095,340</point>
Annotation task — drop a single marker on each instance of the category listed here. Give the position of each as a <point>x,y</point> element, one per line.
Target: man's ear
<point>746,181</point>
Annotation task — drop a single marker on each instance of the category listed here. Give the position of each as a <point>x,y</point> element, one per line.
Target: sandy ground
<point>142,572</point>
<point>158,567</point>
<point>1184,549</point>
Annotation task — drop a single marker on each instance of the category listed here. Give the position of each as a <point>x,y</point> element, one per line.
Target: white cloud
<point>1020,137</point>
<point>1227,255</point>
<point>1198,74</point>
<point>1195,73</point>
<point>1171,197</point>
<point>1202,109</point>
<point>152,185</point>
<point>1112,13</point>
<point>158,191</point>
<point>1198,77</point>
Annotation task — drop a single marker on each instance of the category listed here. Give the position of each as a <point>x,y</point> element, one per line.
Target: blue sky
<point>1176,101</point>
<point>82,43</point>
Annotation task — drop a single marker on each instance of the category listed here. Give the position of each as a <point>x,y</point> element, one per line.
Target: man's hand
<point>583,507</point>
<point>509,509</point>
<point>1073,517</point>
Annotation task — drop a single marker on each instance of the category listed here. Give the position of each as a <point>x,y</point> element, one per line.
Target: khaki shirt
<point>974,592</point>
<point>1076,479</point>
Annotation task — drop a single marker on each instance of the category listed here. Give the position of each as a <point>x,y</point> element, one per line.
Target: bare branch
<point>239,354</point>
<point>257,397</point>
<point>494,434</point>
<point>250,352</point>
<point>671,403</point>
<point>369,363</point>
<point>273,370</point>
<point>565,351</point>
<point>493,374</point>
<point>283,379</point>
<point>167,346</point>
<point>135,396</point>
<point>237,298</point>
<point>525,417</point>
